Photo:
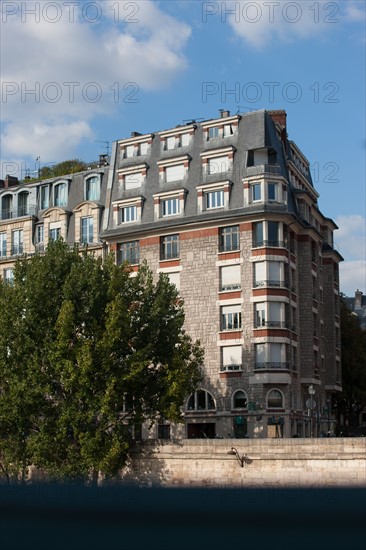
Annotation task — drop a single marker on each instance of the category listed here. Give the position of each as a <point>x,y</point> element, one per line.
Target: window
<point>231,317</point>
<point>240,400</point>
<point>260,315</point>
<point>231,358</point>
<point>60,194</point>
<point>9,276</point>
<point>213,132</point>
<point>163,431</point>
<point>272,190</point>
<point>174,173</point>
<point>269,314</point>
<point>170,207</point>
<point>185,140</point>
<point>229,238</point>
<point>170,142</point>
<point>271,273</point>
<point>92,189</point>
<point>128,252</point>
<point>128,214</point>
<point>86,230</point>
<point>174,279</point>
<point>129,151</point>
<point>230,277</point>
<point>55,233</point>
<point>275,400</point>
<point>218,165</point>
<point>256,190</point>
<point>2,245</point>
<point>169,247</point>
<point>258,234</point>
<point>23,204</point>
<point>270,356</point>
<point>6,207</point>
<point>228,130</point>
<point>17,242</point>
<point>39,237</point>
<point>201,400</point>
<point>273,233</point>
<point>266,234</point>
<point>134,180</point>
<point>214,199</point>
<point>44,197</point>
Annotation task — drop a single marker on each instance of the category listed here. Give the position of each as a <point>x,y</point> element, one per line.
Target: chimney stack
<point>10,181</point>
<point>358,299</point>
<point>224,113</point>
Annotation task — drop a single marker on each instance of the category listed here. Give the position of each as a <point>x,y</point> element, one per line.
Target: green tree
<point>353,344</point>
<point>87,353</point>
<point>63,168</point>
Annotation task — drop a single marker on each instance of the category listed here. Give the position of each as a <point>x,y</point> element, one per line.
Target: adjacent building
<point>227,209</point>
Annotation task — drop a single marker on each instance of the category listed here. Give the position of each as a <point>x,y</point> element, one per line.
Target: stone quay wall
<point>323,462</point>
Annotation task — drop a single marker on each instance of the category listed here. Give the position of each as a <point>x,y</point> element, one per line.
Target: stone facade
<point>328,462</point>
<point>227,209</point>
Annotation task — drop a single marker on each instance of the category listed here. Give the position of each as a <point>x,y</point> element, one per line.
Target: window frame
<point>233,398</point>
<point>89,237</point>
<point>271,406</point>
<point>169,247</point>
<point>124,250</point>
<point>230,232</point>
<point>56,194</point>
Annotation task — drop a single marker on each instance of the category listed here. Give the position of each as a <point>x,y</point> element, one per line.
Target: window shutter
<point>174,173</point>
<point>230,277</point>
<point>231,355</point>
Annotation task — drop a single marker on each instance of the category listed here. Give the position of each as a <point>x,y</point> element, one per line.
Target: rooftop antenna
<point>192,120</point>
<point>239,107</point>
<point>106,143</point>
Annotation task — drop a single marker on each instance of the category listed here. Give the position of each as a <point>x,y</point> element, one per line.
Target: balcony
<point>269,244</point>
<point>260,169</point>
<point>271,366</point>
<point>20,212</point>
<point>17,249</point>
<point>271,324</point>
<point>266,207</point>
<point>271,283</point>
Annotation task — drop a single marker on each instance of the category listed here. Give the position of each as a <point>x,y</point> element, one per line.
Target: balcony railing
<point>271,244</point>
<point>272,366</point>
<point>271,324</point>
<point>272,283</point>
<point>21,211</point>
<point>17,249</point>
<point>266,207</point>
<point>230,368</point>
<point>263,169</point>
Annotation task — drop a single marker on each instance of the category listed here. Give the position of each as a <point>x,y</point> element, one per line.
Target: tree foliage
<point>87,353</point>
<point>71,166</point>
<point>353,345</point>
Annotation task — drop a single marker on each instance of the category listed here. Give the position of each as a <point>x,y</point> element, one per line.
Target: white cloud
<point>58,76</point>
<point>261,23</point>
<point>351,240</point>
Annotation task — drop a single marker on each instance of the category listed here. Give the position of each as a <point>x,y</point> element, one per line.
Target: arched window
<point>92,188</point>
<point>275,399</point>
<point>239,400</point>
<point>60,194</point>
<point>23,204</point>
<point>201,400</point>
<point>7,207</point>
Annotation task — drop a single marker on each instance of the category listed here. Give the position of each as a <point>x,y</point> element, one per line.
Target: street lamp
<point>311,406</point>
<point>241,459</point>
<point>328,411</point>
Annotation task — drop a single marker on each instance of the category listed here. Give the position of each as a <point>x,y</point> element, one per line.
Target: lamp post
<point>328,411</point>
<point>311,406</point>
<point>241,459</point>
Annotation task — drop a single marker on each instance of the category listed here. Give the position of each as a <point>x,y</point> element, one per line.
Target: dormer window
<point>60,194</point>
<point>135,146</point>
<point>176,169</point>
<point>179,137</point>
<point>92,188</point>
<point>133,176</point>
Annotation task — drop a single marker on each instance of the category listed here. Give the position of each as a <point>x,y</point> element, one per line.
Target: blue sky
<point>75,74</point>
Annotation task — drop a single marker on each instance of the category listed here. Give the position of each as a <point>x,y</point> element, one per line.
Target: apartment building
<point>227,209</point>
<point>31,214</point>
